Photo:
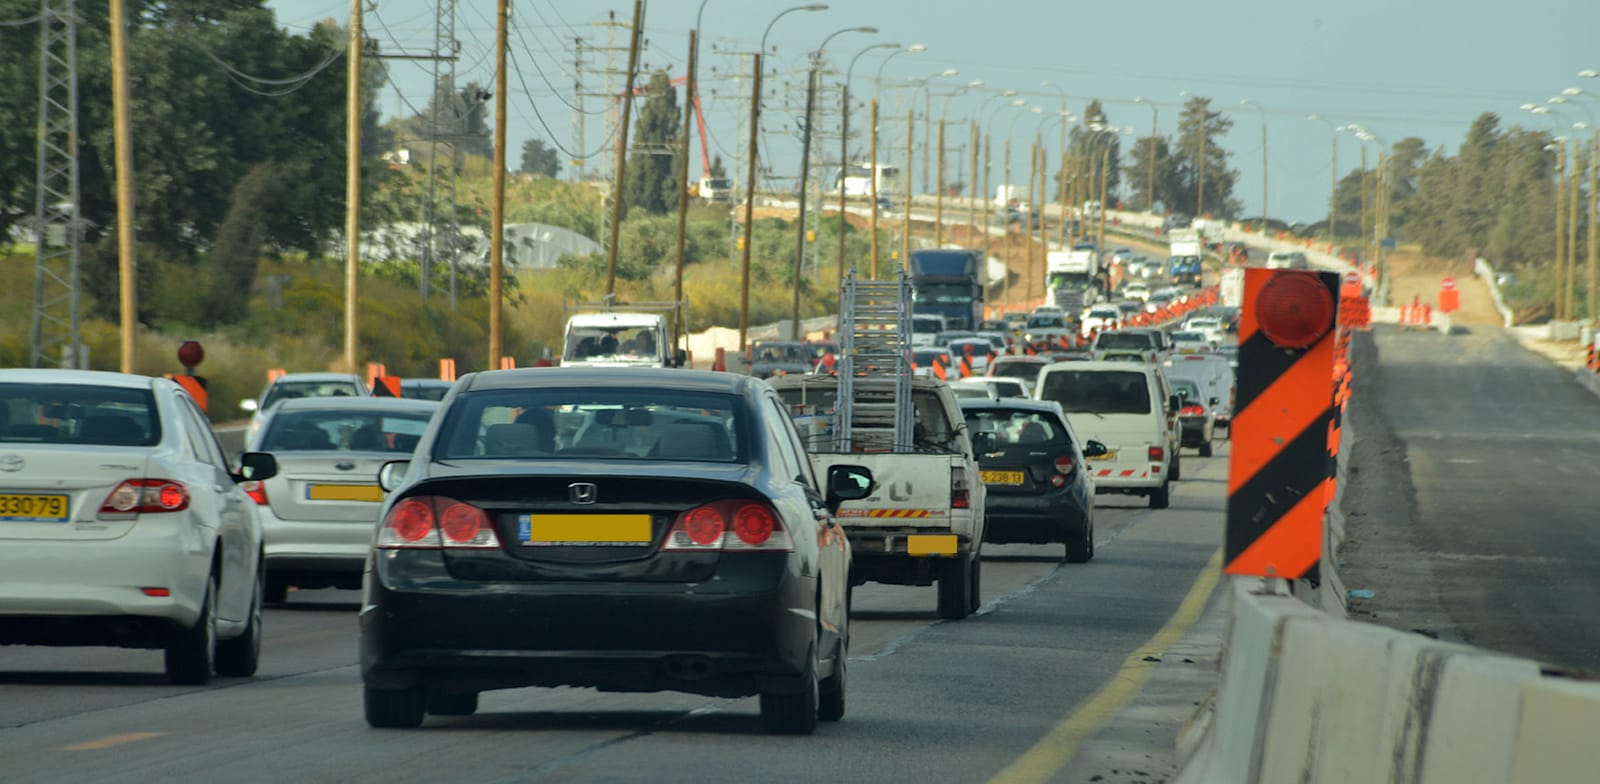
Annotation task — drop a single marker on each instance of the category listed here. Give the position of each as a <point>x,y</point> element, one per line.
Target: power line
<point>22,22</point>
<point>515,25</point>
<point>298,81</point>
<point>516,65</point>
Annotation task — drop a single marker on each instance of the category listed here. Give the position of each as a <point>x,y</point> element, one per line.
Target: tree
<point>717,169</point>
<point>1137,171</point>
<point>539,159</point>
<point>1202,162</point>
<point>652,180</point>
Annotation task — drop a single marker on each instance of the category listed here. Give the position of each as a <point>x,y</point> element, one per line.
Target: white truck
<point>1075,278</point>
<point>1186,243</point>
<point>1232,287</point>
<point>621,335</point>
<point>923,522</point>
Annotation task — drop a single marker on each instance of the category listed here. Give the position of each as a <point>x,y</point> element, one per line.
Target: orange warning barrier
<point>386,386</point>
<point>1283,423</point>
<point>447,369</point>
<point>508,363</point>
<point>194,385</point>
<point>273,374</point>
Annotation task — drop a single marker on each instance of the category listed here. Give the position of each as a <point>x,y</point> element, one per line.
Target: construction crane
<point>710,188</point>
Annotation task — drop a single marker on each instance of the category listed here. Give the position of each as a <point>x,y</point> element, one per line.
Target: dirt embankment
<point>1415,278</point>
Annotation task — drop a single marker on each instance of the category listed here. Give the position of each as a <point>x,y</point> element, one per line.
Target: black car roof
<point>1011,404</point>
<point>660,378</point>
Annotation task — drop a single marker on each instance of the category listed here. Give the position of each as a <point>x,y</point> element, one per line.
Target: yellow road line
<point>1055,749</point>
<point>111,740</point>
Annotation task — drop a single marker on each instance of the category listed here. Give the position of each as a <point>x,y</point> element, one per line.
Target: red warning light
<point>1294,309</point>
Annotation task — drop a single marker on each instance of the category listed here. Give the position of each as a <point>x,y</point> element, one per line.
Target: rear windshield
<point>1027,371</point>
<point>350,431</point>
<point>424,391</point>
<point>781,352</point>
<point>583,423</point>
<point>1017,428</point>
<point>289,390</point>
<point>78,414</point>
<point>1133,340</point>
<point>927,326</point>
<point>1098,392</point>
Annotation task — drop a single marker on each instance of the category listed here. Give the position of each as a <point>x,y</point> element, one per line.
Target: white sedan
<point>122,524</point>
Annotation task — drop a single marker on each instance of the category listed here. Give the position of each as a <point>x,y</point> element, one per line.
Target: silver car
<point>319,512</point>
<point>122,524</point>
<point>296,385</point>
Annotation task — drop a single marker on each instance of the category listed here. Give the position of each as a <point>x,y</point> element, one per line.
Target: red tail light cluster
<point>960,496</point>
<point>146,496</point>
<point>256,490</point>
<point>733,525</point>
<point>1158,454</point>
<point>433,522</point>
<point>1064,464</point>
<point>1192,411</point>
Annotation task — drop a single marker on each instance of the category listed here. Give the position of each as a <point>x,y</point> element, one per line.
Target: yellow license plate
<point>931,545</point>
<point>600,530</point>
<point>33,508</point>
<point>369,493</point>
<point>1002,477</point>
<point>1110,455</point>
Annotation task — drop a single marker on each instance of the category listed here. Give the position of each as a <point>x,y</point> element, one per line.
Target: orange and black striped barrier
<point>1283,425</point>
<point>386,386</point>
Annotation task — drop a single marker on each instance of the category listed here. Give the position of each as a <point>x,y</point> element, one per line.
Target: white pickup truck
<point>619,339</point>
<point>924,522</point>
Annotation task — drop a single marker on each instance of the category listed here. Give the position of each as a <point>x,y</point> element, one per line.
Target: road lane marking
<point>1055,749</point>
<point>111,740</point>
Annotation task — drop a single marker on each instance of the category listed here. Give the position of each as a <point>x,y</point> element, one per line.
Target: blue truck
<point>948,282</point>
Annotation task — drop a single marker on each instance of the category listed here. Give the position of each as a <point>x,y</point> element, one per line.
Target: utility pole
<point>844,169</point>
<point>972,181</point>
<point>497,206</point>
<point>905,234</point>
<point>683,188</point>
<point>749,204</point>
<point>1593,238</point>
<point>1200,204</point>
<point>983,196</point>
<point>938,185</point>
<point>622,150</point>
<point>874,146</point>
<point>805,164</point>
<point>57,200</point>
<point>1561,240</point>
<point>1027,222</point>
<point>1574,198</point>
<point>126,266</point>
<point>352,185</point>
<point>1361,224</point>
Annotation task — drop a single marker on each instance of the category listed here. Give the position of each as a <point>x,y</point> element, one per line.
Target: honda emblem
<point>583,492</point>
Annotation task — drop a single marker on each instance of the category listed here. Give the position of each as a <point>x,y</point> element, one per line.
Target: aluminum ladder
<point>875,347</point>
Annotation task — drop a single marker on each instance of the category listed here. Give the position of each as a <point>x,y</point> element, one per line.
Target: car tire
<point>453,704</point>
<point>191,656</point>
<point>240,656</point>
<point>1081,550</point>
<point>976,590</point>
<point>1176,472</point>
<point>277,591</point>
<point>394,708</point>
<point>955,589</point>
<point>830,702</point>
<point>1205,449</point>
<point>1160,497</point>
<point>793,714</point>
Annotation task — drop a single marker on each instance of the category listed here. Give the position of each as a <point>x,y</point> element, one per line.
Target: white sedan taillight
<point>146,496</point>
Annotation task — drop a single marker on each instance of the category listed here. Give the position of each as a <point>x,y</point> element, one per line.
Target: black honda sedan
<point>628,529</point>
<point>1032,469</point>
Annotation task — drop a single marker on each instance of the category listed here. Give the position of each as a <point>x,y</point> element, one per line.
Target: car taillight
<point>960,498</point>
<point>256,490</point>
<point>732,525</point>
<point>146,496</point>
<point>1192,411</point>
<point>1058,481</point>
<point>435,522</point>
<point>1157,454</point>
<point>1063,465</point>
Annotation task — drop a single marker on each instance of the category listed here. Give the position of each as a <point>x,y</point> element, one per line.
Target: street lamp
<point>1150,184</point>
<point>1263,112</point>
<point>755,165</point>
<point>927,115</point>
<point>1333,176</point>
<point>805,166</point>
<point>877,88</point>
<point>844,151</point>
<point>938,178</point>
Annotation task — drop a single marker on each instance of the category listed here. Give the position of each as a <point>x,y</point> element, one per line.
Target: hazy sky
<point>1399,67</point>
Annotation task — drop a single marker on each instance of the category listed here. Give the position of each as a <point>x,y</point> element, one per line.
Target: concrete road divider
<point>1309,698</point>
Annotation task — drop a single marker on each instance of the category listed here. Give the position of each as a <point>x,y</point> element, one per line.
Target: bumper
<point>91,593</point>
<point>748,630</point>
<point>904,556</point>
<point>309,547</point>
<point>1125,478</point>
<point>1036,519</point>
<point>1194,431</point>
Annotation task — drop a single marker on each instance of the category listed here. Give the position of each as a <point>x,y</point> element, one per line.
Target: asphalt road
<point>1472,515</point>
<point>928,701</point>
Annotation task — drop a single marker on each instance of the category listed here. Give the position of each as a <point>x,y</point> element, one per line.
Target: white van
<point>1286,259</point>
<point>925,329</point>
<point>1214,376</point>
<point>1129,408</point>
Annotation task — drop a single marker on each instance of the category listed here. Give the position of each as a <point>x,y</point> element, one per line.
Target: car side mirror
<point>848,483</point>
<point>679,357</point>
<point>256,467</point>
<point>1215,401</point>
<point>392,473</point>
<point>249,405</point>
<point>1093,448</point>
<point>985,442</point>
<point>1174,403</point>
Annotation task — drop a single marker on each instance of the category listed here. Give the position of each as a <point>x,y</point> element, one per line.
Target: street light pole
<point>844,154</point>
<point>805,170</point>
<point>1263,112</point>
<point>1333,178</point>
<point>1150,177</point>
<point>877,87</point>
